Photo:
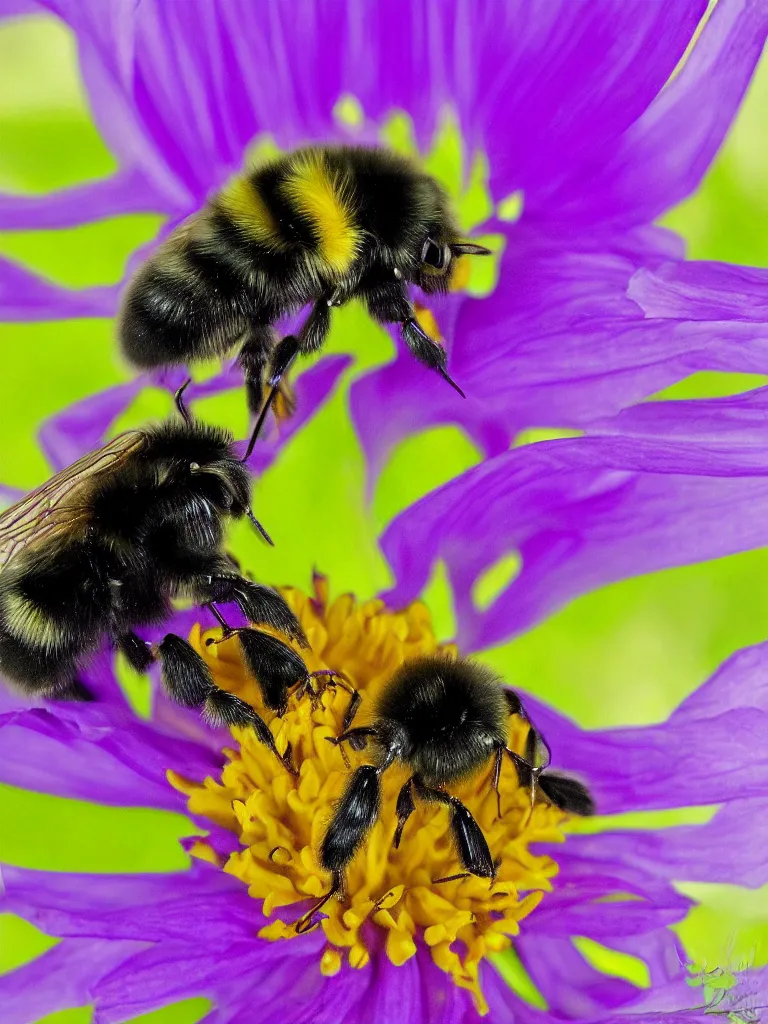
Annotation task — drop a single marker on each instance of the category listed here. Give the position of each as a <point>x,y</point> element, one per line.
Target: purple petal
<point>688,853</point>
<point>575,989</point>
<point>665,765</point>
<point>582,512</point>
<point>152,908</point>
<point>519,64</point>
<point>99,754</point>
<point>82,427</point>
<point>274,974</point>
<point>60,979</point>
<point>125,192</point>
<point>558,342</point>
<point>24,296</point>
<point>663,157</point>
<point>702,291</point>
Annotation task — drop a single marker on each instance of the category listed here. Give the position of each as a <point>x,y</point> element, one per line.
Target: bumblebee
<point>105,545</point>
<point>319,226</point>
<point>444,719</point>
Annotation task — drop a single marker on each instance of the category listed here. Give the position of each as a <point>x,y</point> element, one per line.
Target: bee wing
<point>59,505</point>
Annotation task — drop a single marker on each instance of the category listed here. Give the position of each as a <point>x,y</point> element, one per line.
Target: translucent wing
<point>60,504</point>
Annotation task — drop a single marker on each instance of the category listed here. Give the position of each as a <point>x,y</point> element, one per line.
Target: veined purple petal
<point>562,343</point>
<point>663,157</point>
<point>100,753</point>
<point>582,512</point>
<point>150,908</point>
<point>609,60</point>
<point>247,973</point>
<point>687,853</point>
<point>60,979</point>
<point>125,192</point>
<point>82,427</point>
<point>702,291</point>
<point>107,48</point>
<point>25,296</point>
<point>667,765</point>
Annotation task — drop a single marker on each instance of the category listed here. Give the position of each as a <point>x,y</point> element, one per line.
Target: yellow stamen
<point>280,818</point>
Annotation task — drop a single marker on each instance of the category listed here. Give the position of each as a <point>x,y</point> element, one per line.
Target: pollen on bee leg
<point>279,819</point>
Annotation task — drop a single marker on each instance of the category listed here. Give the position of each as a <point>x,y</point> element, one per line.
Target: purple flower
<point>133,943</point>
<point>587,139</point>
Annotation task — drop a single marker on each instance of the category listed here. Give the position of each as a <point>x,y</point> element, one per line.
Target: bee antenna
<point>469,249</point>
<point>178,398</point>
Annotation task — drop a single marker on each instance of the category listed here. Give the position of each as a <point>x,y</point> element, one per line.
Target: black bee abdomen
<point>451,714</point>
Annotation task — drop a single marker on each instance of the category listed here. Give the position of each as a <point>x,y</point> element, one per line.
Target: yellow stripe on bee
<point>246,207</point>
<point>28,622</point>
<point>315,191</point>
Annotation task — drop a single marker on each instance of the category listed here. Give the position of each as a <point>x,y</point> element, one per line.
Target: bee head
<point>197,461</point>
<point>437,258</point>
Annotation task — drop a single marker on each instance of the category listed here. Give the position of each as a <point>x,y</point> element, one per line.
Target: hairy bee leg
<point>275,666</point>
<point>388,302</point>
<point>253,359</point>
<point>470,842</point>
<point>496,778</point>
<point>353,818</point>
<point>283,355</point>
<point>259,603</point>
<point>315,328</point>
<point>136,651</point>
<point>189,682</point>
<point>568,794</point>
<point>357,738</point>
<point>405,808</point>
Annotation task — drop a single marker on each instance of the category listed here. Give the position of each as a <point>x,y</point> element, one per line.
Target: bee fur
<point>136,525</point>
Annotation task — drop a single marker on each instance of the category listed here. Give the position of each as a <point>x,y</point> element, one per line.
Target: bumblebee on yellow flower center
<point>280,818</point>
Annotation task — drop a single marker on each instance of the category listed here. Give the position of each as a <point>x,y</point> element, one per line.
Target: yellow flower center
<point>280,818</point>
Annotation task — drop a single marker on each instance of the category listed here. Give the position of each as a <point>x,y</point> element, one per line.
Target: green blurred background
<point>624,655</point>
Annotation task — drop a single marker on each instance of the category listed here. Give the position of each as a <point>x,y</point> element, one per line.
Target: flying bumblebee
<point>319,226</point>
<point>106,544</point>
<point>445,719</point>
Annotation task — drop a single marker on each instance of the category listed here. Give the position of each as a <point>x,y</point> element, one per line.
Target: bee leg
<point>316,327</point>
<point>405,808</point>
<point>253,359</point>
<point>470,842</point>
<point>568,794</point>
<point>259,603</point>
<point>353,819</point>
<point>283,355</point>
<point>189,682</point>
<point>137,653</point>
<point>308,923</point>
<point>357,738</point>
<point>388,303</point>
<point>427,350</point>
<point>275,666</point>
<point>335,679</point>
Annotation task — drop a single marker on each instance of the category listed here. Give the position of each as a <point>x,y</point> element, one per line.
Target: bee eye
<point>435,255</point>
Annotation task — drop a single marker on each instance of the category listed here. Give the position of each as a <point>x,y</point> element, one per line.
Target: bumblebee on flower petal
<point>106,544</point>
<point>319,226</point>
